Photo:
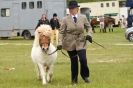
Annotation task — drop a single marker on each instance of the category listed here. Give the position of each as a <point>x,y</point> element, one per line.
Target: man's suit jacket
<point>71,34</point>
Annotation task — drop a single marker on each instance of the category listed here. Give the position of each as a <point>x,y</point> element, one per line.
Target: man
<point>54,22</point>
<point>124,22</point>
<point>72,39</point>
<point>110,23</point>
<point>101,19</point>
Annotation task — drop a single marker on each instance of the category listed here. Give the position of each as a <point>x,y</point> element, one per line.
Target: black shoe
<point>86,80</point>
<point>74,82</point>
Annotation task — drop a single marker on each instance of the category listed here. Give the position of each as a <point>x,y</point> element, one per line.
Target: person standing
<point>110,23</point>
<point>124,22</point>
<point>54,22</point>
<point>43,20</point>
<point>101,19</point>
<point>73,39</point>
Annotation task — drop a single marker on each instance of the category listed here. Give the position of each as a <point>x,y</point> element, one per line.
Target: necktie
<point>75,19</point>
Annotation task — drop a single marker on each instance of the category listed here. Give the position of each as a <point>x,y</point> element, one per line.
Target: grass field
<point>109,68</point>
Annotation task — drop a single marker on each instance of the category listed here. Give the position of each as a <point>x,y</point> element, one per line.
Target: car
<point>129,34</point>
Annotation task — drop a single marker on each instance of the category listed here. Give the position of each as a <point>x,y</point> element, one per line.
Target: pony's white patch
<point>42,60</point>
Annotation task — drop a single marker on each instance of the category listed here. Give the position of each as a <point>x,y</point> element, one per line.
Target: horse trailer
<point>20,17</point>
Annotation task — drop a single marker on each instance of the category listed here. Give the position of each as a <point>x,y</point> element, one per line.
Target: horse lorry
<point>20,17</point>
<point>129,31</point>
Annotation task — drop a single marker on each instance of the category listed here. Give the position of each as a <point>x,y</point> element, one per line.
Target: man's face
<point>55,17</point>
<point>73,10</point>
<point>43,16</point>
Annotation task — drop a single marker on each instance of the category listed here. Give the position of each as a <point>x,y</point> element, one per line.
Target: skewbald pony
<point>39,53</point>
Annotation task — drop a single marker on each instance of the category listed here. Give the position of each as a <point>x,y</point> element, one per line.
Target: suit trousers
<point>84,70</point>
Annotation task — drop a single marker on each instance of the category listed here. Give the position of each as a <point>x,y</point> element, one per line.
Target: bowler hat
<point>73,4</point>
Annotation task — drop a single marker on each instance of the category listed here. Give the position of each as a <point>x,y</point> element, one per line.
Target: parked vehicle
<point>129,31</point>
<point>129,4</point>
<point>129,34</point>
<point>86,11</point>
<point>20,17</point>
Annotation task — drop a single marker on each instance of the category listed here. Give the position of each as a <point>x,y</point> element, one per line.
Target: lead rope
<point>53,52</point>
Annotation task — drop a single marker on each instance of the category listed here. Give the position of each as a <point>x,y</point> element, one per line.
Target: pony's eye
<point>39,32</point>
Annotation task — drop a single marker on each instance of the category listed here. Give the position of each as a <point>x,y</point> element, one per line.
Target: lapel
<point>78,18</point>
<point>71,19</point>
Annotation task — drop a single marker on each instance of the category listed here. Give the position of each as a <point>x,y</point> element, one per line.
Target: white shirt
<point>74,16</point>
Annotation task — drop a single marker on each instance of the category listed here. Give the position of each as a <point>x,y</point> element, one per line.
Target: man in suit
<point>72,38</point>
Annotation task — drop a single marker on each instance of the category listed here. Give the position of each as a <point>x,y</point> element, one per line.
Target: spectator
<point>101,19</point>
<point>54,22</point>
<point>124,22</point>
<point>43,20</point>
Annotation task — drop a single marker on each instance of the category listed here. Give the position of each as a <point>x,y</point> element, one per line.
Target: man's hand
<point>59,47</point>
<point>89,38</point>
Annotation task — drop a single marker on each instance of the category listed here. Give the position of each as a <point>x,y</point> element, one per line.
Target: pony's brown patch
<point>44,42</point>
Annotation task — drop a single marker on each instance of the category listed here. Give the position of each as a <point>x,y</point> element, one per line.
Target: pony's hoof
<point>44,83</point>
<point>49,81</point>
<point>39,78</point>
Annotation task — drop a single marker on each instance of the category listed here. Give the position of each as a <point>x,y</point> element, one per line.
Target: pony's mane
<point>45,30</point>
<point>42,29</point>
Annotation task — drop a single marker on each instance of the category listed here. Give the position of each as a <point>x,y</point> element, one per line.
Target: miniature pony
<point>40,54</point>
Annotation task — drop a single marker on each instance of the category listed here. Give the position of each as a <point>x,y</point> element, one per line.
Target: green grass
<point>109,68</point>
